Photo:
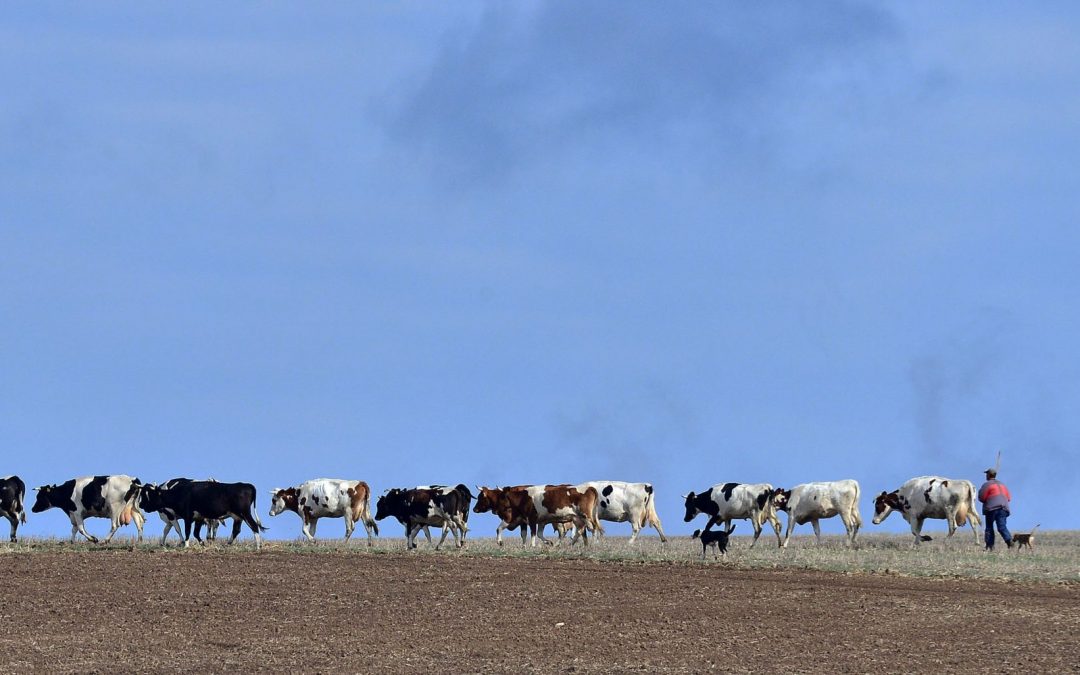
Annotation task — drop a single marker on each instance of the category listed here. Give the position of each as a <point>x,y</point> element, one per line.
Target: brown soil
<point>214,611</point>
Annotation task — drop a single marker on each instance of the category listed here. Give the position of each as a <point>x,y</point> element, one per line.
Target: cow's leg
<point>187,532</point>
<point>757,529</point>
<point>427,533</point>
<point>305,528</point>
<point>655,522</point>
<point>232,536</point>
<point>790,527</point>
<point>817,531</point>
<point>314,527</point>
<point>253,523</point>
<point>168,528</point>
<point>775,522</point>
<point>140,521</point>
<point>973,520</point>
<point>14,520</point>
<point>349,524</point>
<point>114,525</point>
<point>79,525</point>
<point>635,525</point>
<point>950,519</point>
<point>540,534</point>
<point>916,529</point>
<point>447,528</point>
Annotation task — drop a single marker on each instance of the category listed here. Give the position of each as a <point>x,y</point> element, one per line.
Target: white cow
<point>725,502</point>
<point>810,502</point>
<point>327,498</point>
<point>626,502</point>
<point>931,497</point>
<point>112,497</point>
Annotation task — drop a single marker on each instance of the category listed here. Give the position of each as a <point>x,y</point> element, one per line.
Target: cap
<point>991,473</point>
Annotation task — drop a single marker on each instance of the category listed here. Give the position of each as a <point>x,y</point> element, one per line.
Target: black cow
<point>13,503</point>
<point>169,517</point>
<point>197,501</point>
<point>418,508</point>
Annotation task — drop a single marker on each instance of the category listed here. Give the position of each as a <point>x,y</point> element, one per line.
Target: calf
<point>627,502</point>
<point>810,502</point>
<point>13,503</point>
<point>416,509</point>
<point>931,497</point>
<point>327,498</point>
<point>725,502</point>
<point>112,497</point>
<point>196,502</point>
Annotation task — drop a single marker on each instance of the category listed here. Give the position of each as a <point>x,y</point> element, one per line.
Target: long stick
<point>997,464</point>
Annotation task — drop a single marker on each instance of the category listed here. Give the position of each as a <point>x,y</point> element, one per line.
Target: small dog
<point>718,539</point>
<point>1022,540</point>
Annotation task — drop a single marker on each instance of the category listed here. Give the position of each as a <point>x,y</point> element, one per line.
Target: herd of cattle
<point>528,508</point>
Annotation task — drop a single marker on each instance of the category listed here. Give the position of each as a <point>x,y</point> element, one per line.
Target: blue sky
<point>496,243</point>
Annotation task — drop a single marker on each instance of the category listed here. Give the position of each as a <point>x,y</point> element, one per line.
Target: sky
<point>499,243</point>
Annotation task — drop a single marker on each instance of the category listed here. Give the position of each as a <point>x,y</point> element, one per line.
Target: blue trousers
<point>997,517</point>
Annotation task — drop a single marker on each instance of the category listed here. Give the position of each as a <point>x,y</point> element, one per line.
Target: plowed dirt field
<point>117,610</point>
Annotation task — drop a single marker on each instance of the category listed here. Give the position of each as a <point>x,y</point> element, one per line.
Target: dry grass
<point>1056,558</point>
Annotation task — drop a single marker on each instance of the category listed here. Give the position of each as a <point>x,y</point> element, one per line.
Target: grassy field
<point>1056,558</point>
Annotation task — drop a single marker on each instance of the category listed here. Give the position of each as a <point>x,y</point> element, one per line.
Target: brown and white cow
<point>537,505</point>
<point>327,498</point>
<point>933,497</point>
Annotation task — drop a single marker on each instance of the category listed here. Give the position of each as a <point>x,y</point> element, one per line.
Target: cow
<point>511,505</point>
<point>931,497</point>
<point>725,502</point>
<point>810,502</point>
<point>13,503</point>
<point>626,502</point>
<point>196,502</point>
<point>538,505</point>
<point>112,497</point>
<point>421,507</point>
<point>169,517</point>
<point>327,498</point>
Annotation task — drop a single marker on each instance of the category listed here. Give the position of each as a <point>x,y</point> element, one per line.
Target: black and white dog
<point>718,539</point>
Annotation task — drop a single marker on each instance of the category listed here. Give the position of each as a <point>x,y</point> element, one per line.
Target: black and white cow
<point>421,507</point>
<point>725,502</point>
<point>112,497</point>
<point>626,502</point>
<point>196,502</point>
<point>13,503</point>
<point>933,497</point>
<point>169,517</point>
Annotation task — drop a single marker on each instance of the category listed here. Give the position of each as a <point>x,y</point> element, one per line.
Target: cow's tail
<point>650,517</point>
<point>856,517</point>
<point>361,506</point>
<point>966,505</point>
<point>592,507</point>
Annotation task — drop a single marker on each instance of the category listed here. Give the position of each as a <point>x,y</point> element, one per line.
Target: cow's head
<point>390,503</point>
<point>885,503</point>
<point>134,490</point>
<point>780,498</point>
<point>284,499</point>
<point>691,507</point>
<point>486,498</point>
<point>44,501</point>
<point>464,491</point>
<point>150,497</point>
